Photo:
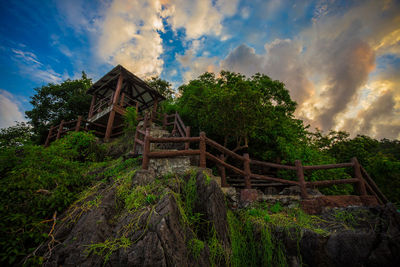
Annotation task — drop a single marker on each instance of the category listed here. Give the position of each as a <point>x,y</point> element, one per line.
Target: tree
<point>55,102</point>
<point>16,135</point>
<point>162,86</point>
<point>234,109</point>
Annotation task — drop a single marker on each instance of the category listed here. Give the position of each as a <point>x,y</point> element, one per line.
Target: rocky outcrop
<point>157,235</point>
<point>154,236</point>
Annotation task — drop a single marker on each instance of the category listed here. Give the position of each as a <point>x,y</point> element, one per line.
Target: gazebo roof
<point>132,85</point>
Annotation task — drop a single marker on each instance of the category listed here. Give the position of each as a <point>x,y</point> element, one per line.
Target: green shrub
<point>35,183</point>
<point>276,208</point>
<point>196,246</point>
<point>130,121</point>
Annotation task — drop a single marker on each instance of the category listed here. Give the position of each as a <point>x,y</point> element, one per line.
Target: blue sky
<point>339,59</point>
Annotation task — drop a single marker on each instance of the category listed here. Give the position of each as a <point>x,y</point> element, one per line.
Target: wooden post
<point>91,110</point>
<point>109,125</point>
<point>175,120</point>
<point>145,120</point>
<point>187,144</point>
<point>146,150</point>
<point>111,98</point>
<point>46,144</point>
<point>360,187</point>
<point>222,172</point>
<point>137,108</point>
<point>202,146</point>
<point>153,112</point>
<point>134,140</point>
<point>300,177</point>
<point>60,129</point>
<point>121,102</point>
<point>118,89</point>
<point>246,166</point>
<point>164,126</point>
<point>78,124</point>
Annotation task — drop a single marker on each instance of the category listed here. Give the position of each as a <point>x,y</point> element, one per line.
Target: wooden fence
<point>58,131</point>
<point>364,185</point>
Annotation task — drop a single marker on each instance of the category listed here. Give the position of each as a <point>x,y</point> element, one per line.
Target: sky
<point>340,60</point>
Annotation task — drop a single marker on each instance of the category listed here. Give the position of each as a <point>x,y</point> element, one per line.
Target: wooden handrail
<point>331,182</point>
<point>223,149</point>
<point>272,165</point>
<point>273,179</point>
<point>227,165</point>
<point>246,171</point>
<point>373,185</point>
<point>174,139</point>
<point>329,166</point>
<point>177,153</point>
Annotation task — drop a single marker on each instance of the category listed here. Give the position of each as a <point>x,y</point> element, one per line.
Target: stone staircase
<point>164,166</point>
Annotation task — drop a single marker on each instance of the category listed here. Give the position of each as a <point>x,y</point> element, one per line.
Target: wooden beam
<point>106,83</point>
<point>60,129</point>
<point>94,97</point>
<point>360,187</point>
<point>118,89</point>
<point>109,125</point>
<point>48,137</point>
<point>247,171</point>
<point>300,177</point>
<point>203,148</point>
<point>78,124</point>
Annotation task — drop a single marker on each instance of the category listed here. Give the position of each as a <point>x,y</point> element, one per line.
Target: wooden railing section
<point>58,131</point>
<point>361,180</point>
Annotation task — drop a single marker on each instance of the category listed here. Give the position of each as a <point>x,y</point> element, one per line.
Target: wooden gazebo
<point>115,91</point>
<point>111,95</point>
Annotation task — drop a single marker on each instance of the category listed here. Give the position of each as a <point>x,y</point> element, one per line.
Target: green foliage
<point>16,135</point>
<point>36,182</point>
<point>231,108</point>
<point>345,217</point>
<point>217,252</point>
<point>107,248</point>
<point>80,146</point>
<point>385,171</point>
<point>276,208</point>
<point>55,102</point>
<point>162,86</point>
<point>381,159</point>
<point>196,246</point>
<point>130,122</point>
<point>190,197</point>
<point>252,243</point>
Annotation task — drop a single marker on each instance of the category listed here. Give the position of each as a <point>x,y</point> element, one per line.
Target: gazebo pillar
<point>94,97</point>
<point>112,113</point>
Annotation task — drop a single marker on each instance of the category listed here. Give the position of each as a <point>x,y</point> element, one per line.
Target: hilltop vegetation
<point>252,115</point>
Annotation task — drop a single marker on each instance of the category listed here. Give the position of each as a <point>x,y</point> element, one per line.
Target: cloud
<point>10,110</point>
<point>281,60</point>
<point>129,36</point>
<point>194,65</point>
<point>329,66</point>
<point>30,66</point>
<point>199,18</point>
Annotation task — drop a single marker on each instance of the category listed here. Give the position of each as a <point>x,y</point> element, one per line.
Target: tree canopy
<point>162,86</point>
<point>235,109</point>
<point>55,102</point>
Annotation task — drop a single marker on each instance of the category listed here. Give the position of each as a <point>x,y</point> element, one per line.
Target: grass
<point>107,248</point>
<point>196,246</point>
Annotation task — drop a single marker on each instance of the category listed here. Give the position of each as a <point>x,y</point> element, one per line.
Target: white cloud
<point>10,110</point>
<point>30,66</point>
<point>328,65</point>
<point>129,36</point>
<point>199,18</point>
<point>245,12</point>
<point>194,65</point>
